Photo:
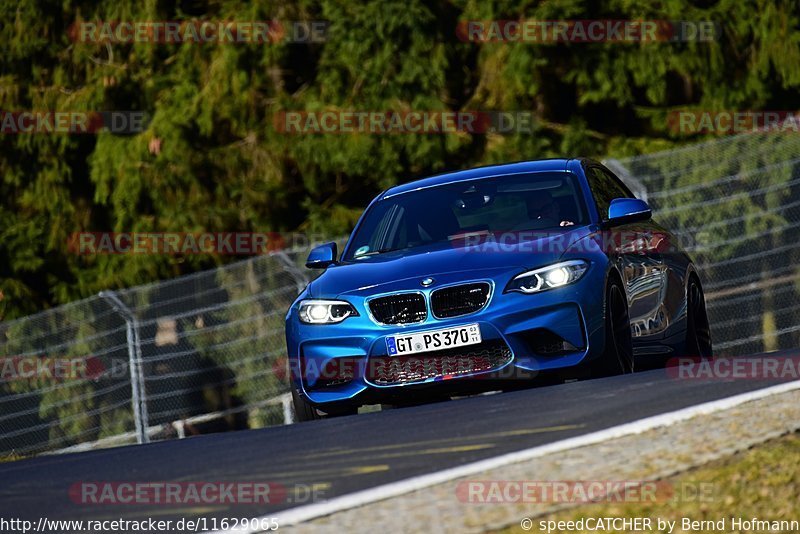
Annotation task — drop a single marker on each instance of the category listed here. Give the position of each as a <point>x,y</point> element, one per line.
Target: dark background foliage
<point>211,158</point>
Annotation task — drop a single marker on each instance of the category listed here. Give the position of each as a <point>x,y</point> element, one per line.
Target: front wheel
<point>617,357</point>
<point>305,411</point>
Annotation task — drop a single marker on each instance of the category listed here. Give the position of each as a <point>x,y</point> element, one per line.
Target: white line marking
<point>308,512</point>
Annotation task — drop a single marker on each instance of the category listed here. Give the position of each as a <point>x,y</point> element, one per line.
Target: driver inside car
<point>546,211</point>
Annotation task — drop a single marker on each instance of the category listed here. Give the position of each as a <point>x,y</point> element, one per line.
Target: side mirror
<point>628,210</point>
<point>322,257</point>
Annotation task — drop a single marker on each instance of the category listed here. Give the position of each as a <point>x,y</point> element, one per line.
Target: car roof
<point>555,164</point>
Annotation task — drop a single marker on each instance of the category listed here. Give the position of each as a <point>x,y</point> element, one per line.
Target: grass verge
<point>762,483</point>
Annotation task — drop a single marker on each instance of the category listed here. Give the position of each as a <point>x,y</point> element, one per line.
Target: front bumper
<point>336,364</point>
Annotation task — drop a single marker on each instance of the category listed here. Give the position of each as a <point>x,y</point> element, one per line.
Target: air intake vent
<point>449,363</point>
<point>404,308</point>
<point>459,300</point>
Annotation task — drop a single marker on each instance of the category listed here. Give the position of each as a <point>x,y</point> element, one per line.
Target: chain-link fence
<point>206,352</point>
<point>735,205</point>
<point>195,354</point>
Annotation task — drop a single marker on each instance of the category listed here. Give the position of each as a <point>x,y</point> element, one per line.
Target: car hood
<point>445,263</point>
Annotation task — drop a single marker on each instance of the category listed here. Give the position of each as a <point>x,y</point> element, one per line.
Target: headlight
<point>550,277</point>
<point>325,311</point>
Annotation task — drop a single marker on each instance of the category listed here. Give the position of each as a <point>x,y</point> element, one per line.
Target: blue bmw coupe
<point>491,278</point>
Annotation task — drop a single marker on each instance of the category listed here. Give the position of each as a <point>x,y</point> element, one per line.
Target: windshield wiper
<point>383,250</point>
<point>379,251</point>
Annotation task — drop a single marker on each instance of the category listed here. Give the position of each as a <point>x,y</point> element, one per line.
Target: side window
<point>605,188</point>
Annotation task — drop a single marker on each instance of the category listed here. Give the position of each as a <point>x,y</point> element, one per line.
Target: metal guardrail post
<point>288,409</point>
<point>138,396</point>
<point>300,278</point>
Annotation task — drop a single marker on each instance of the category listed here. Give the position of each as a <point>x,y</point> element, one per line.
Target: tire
<point>305,411</point>
<point>698,330</point>
<point>617,357</point>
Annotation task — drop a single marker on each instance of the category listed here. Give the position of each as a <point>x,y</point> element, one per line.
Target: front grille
<point>449,363</point>
<point>459,300</point>
<point>404,308</point>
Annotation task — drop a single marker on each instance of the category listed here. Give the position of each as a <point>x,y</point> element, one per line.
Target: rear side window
<point>605,188</point>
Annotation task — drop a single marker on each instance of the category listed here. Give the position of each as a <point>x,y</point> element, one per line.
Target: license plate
<point>445,338</point>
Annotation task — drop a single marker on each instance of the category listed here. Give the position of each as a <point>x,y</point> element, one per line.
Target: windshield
<point>512,203</point>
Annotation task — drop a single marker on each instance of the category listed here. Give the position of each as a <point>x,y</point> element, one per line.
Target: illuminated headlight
<point>325,311</point>
<point>550,277</point>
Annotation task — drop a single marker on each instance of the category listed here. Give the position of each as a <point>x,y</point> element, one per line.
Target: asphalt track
<point>339,456</point>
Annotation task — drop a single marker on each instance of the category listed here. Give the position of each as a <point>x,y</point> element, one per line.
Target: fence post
<point>301,281</point>
<point>288,409</point>
<point>300,278</point>
<point>138,396</point>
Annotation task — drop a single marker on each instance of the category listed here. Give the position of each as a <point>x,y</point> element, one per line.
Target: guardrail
<point>186,349</point>
<point>177,429</point>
